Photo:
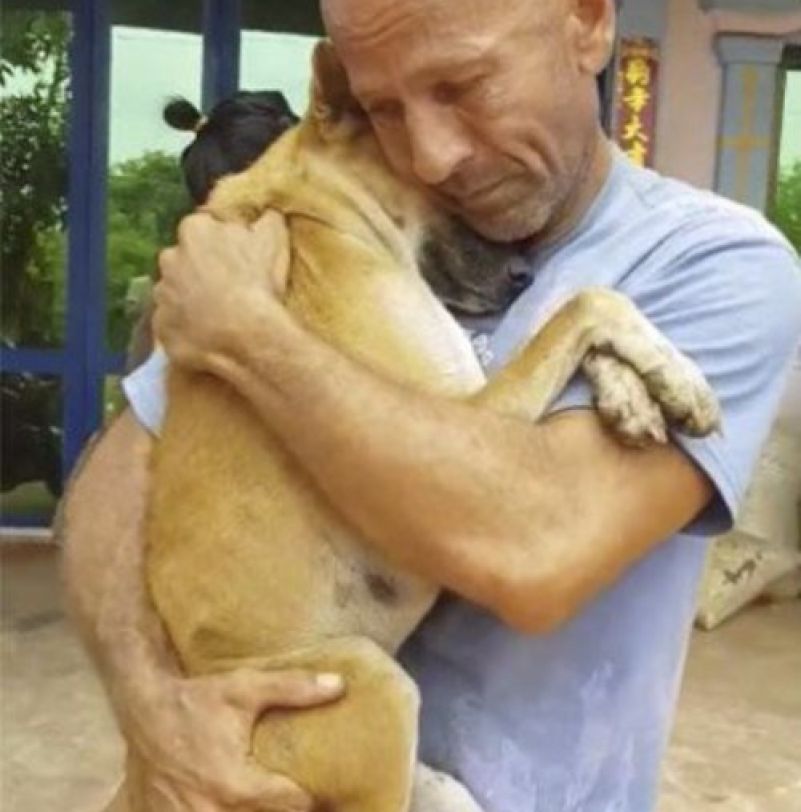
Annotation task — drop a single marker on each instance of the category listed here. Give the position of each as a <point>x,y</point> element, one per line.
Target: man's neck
<point>576,205</point>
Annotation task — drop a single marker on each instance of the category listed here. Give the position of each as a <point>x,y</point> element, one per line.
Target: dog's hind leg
<point>357,754</point>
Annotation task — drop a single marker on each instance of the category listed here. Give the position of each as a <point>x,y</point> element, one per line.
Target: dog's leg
<point>603,321</point>
<point>437,792</point>
<point>623,401</point>
<point>353,755</point>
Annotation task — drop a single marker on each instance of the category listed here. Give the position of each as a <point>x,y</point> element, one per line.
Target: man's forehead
<point>354,20</point>
<point>354,16</point>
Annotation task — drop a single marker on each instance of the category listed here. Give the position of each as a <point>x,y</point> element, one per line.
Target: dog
<point>247,565</point>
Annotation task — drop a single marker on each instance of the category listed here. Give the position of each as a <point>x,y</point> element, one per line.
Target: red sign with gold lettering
<point>635,99</point>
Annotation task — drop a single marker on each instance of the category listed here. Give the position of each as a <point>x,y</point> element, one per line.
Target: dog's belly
<point>244,559</point>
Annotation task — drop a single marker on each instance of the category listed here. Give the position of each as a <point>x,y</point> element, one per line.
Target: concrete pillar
<point>747,117</point>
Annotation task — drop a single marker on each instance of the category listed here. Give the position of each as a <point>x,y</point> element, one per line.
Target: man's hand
<point>219,278</point>
<point>192,739</point>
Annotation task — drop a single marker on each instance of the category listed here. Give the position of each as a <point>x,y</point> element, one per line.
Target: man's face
<point>490,104</point>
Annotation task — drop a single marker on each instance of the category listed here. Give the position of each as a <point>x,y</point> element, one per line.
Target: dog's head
<point>469,274</point>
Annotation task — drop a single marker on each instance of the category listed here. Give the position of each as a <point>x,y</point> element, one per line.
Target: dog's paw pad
<point>687,400</point>
<point>623,401</point>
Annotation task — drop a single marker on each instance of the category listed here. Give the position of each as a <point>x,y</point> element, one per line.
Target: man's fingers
<point>271,221</point>
<point>258,691</point>
<point>166,258</point>
<point>198,223</point>
<point>269,791</point>
<point>272,226</point>
<point>190,225</point>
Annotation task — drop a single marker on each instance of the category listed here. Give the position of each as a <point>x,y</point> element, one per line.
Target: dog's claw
<point>623,401</point>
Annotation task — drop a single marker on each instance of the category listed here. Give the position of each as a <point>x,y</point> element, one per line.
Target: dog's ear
<point>333,106</point>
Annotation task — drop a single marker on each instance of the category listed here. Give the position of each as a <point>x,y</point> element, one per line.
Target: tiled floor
<point>60,749</point>
<point>736,747</point>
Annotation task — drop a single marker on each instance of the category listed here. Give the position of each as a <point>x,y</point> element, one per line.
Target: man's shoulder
<point>704,248</point>
<point>678,211</point>
<point>649,233</point>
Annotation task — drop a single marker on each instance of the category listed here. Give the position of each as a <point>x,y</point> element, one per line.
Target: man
<point>549,678</point>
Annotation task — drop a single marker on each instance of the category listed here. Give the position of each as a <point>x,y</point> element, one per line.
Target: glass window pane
<point>30,462</point>
<point>786,208</point>
<point>790,145</point>
<point>34,108</point>
<point>156,53</point>
<point>114,401</point>
<point>277,41</point>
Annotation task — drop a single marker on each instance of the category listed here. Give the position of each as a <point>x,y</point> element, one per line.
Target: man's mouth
<point>460,195</point>
<point>477,199</point>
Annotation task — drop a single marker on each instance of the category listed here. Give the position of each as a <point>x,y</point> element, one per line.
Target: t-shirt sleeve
<point>146,391</point>
<point>733,305</point>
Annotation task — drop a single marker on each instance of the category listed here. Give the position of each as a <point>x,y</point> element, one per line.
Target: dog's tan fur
<point>247,565</point>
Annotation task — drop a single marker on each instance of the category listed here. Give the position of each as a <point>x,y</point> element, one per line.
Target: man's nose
<point>438,142</point>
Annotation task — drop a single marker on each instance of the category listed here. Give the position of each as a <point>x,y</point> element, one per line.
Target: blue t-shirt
<point>578,720</point>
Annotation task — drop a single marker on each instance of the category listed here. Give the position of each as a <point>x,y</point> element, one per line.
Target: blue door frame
<point>84,361</point>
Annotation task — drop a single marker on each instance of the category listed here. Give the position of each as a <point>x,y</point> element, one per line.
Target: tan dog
<point>248,565</point>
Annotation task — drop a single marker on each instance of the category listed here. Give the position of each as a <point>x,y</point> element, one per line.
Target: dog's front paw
<point>686,399</point>
<point>671,378</point>
<point>623,402</point>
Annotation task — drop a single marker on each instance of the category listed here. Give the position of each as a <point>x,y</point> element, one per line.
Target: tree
<point>146,198</point>
<point>785,211</point>
<point>33,170</point>
<point>146,195</point>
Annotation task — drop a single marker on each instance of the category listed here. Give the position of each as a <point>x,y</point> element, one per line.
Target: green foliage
<point>785,212</point>
<point>31,39</point>
<point>146,195</point>
<point>33,169</point>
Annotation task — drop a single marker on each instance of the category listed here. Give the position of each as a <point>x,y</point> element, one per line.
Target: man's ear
<point>593,29</point>
<point>333,105</point>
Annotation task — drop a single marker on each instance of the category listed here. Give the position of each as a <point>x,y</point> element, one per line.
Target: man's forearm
<point>455,493</point>
<point>103,560</point>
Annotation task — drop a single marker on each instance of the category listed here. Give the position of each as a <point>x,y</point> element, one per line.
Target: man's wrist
<point>264,328</point>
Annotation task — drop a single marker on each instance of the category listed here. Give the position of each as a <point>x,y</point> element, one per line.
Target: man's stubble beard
<point>535,211</point>
<point>525,212</point>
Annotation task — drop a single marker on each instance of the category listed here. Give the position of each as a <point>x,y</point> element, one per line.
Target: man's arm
<point>103,553</point>
<point>193,735</point>
<point>528,520</point>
